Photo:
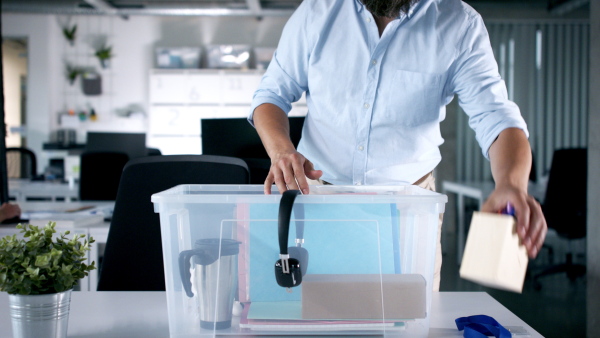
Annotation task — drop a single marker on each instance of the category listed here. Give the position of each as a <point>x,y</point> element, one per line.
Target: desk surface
<point>144,314</point>
<point>45,210</point>
<point>22,189</point>
<point>482,189</point>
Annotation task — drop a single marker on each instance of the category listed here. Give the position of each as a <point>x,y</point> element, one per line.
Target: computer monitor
<point>235,137</point>
<point>133,144</point>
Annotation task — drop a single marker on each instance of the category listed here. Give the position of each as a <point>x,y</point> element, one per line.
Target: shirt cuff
<point>491,134</point>
<point>262,99</point>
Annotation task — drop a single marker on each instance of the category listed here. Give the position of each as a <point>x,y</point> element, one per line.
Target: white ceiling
<point>225,7</point>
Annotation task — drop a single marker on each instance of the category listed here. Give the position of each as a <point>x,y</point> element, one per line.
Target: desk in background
<point>99,231</point>
<point>144,314</point>
<point>478,190</point>
<point>23,189</point>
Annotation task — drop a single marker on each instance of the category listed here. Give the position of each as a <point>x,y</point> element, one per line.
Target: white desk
<point>98,231</point>
<point>480,191</point>
<point>23,189</point>
<point>144,314</point>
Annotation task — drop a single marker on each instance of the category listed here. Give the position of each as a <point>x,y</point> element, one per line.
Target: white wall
<point>125,82</point>
<point>37,30</point>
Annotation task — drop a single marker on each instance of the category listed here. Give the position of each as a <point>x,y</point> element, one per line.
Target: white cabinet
<point>239,88</point>
<point>168,88</point>
<point>180,99</point>
<point>179,120</point>
<point>205,88</point>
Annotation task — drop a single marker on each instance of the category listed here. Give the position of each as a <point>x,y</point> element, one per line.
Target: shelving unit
<point>180,98</point>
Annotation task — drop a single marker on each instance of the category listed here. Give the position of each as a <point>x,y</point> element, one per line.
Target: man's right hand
<point>289,171</point>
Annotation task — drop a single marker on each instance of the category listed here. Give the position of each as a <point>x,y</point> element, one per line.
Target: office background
<point>134,41</point>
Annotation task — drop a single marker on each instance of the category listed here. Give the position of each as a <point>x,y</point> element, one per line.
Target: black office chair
<point>153,152</point>
<point>21,163</point>
<point>259,169</point>
<point>100,173</point>
<point>565,206</point>
<point>133,258</point>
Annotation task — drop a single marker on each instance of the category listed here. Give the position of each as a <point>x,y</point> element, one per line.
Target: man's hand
<point>289,171</point>
<point>510,157</point>
<point>531,224</point>
<point>8,211</point>
<point>289,168</point>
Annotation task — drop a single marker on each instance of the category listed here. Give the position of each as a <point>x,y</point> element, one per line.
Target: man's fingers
<point>310,172</point>
<point>284,174</point>
<point>278,177</point>
<point>290,171</point>
<point>523,214</point>
<point>537,228</point>
<point>290,180</point>
<point>300,175</point>
<point>269,183</point>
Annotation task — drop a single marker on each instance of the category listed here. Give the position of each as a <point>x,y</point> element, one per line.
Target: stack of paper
<point>287,316</point>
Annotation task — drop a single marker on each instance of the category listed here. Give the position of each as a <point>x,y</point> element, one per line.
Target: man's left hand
<point>531,224</point>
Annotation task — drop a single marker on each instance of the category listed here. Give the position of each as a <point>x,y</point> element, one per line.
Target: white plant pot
<point>40,316</point>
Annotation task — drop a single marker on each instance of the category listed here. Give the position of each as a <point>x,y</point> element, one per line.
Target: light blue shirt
<point>375,103</point>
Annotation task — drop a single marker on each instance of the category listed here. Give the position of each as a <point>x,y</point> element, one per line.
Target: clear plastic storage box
<point>361,260</point>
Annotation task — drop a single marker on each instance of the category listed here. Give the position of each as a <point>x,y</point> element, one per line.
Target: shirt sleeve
<point>481,91</point>
<point>286,78</point>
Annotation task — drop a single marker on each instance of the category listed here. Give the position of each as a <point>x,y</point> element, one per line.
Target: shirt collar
<point>361,7</point>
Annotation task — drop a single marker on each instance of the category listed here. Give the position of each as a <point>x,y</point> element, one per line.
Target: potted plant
<point>38,272</point>
<point>69,33</point>
<point>72,73</point>
<point>104,54</point>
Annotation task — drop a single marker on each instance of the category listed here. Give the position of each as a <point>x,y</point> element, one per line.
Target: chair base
<point>573,271</point>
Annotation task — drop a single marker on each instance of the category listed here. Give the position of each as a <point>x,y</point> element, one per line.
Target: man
<point>377,76</point>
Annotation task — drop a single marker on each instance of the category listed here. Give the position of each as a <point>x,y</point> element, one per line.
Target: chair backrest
<point>21,163</point>
<point>153,152</point>
<point>565,203</point>
<point>133,258</point>
<point>100,173</point>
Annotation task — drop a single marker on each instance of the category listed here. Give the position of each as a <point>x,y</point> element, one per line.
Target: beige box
<point>364,296</point>
<point>494,255</point>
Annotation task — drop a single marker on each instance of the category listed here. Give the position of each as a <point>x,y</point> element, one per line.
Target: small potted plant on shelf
<point>72,73</point>
<point>104,54</point>
<point>38,272</point>
<point>69,33</point>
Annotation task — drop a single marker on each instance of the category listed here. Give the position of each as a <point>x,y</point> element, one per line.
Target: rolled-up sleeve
<point>481,91</point>
<point>286,78</point>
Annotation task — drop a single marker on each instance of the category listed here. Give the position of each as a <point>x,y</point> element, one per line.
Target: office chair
<point>133,259</point>
<point>153,152</point>
<point>565,206</point>
<point>100,173</point>
<point>21,163</point>
<point>259,169</point>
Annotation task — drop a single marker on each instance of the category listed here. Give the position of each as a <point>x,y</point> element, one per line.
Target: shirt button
<point>361,148</point>
<point>374,62</point>
<point>366,106</point>
<point>368,19</point>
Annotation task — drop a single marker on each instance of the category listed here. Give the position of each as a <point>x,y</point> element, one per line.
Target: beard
<point>387,8</point>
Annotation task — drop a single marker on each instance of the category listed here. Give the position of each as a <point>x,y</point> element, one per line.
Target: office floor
<point>557,310</point>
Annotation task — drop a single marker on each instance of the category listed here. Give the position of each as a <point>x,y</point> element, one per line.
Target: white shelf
<point>180,98</point>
